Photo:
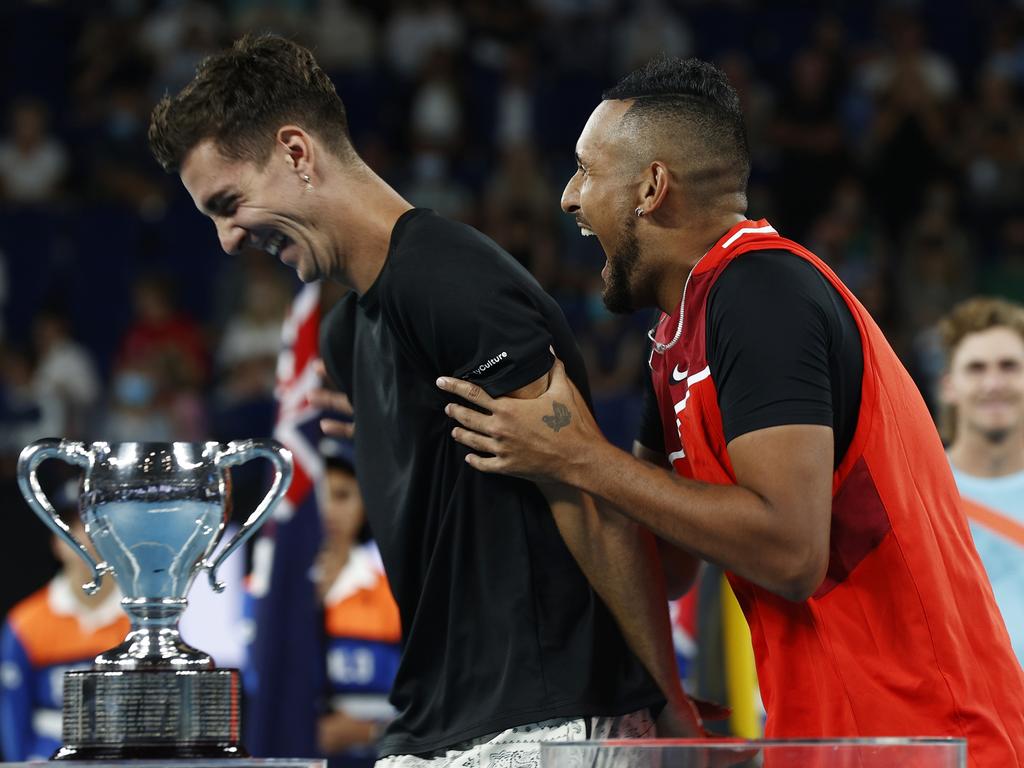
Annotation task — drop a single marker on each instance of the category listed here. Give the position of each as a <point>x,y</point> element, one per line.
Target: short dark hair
<point>696,93</point>
<point>241,95</point>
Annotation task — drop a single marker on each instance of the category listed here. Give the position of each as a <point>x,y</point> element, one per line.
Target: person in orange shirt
<point>803,459</point>
<point>361,619</point>
<point>55,629</point>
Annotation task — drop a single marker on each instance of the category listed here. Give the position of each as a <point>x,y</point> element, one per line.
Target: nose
<point>230,235</point>
<point>570,201</point>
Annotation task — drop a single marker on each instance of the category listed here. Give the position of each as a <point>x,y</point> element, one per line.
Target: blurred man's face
<point>267,208</point>
<point>986,384</point>
<point>600,196</point>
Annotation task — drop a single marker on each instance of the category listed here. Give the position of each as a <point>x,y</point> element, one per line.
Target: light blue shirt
<point>1003,559</point>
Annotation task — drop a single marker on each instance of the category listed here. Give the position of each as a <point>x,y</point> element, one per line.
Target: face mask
<point>133,389</point>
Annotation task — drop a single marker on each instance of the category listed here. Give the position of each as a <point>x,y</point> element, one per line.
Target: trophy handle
<point>239,452</point>
<point>29,461</point>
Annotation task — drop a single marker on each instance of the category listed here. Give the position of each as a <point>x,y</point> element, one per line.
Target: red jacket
<point>903,637</point>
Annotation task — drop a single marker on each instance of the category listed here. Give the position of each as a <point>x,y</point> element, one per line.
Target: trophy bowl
<point>155,513</point>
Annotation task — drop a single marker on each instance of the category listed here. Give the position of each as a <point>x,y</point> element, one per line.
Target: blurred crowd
<point>886,136</point>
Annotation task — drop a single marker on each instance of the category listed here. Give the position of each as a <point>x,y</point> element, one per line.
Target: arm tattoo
<point>560,418</point>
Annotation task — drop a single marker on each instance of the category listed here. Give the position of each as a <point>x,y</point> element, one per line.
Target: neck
<point>685,246</point>
<point>977,455</point>
<point>329,564</point>
<point>92,601</point>
<point>363,212</point>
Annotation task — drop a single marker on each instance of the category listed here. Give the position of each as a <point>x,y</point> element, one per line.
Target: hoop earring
<point>639,211</point>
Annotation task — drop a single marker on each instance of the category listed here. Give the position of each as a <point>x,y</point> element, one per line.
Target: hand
<point>338,731</point>
<point>710,710</point>
<point>539,438</point>
<point>327,399</point>
<point>680,721</point>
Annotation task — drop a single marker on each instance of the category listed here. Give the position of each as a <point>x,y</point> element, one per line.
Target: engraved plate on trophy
<point>155,513</point>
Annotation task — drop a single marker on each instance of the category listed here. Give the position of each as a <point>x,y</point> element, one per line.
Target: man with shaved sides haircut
<point>803,459</point>
<point>504,642</point>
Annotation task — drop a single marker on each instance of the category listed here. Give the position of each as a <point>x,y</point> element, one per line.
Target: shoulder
<point>430,246</point>
<point>777,270</point>
<point>340,314</point>
<point>33,611</point>
<point>772,281</point>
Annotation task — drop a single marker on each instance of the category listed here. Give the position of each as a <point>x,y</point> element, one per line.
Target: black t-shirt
<point>500,627</point>
<point>782,347</point>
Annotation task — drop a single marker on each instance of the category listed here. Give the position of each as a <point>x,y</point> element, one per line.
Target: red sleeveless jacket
<point>903,637</point>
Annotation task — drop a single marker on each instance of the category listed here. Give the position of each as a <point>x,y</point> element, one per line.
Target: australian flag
<point>285,676</point>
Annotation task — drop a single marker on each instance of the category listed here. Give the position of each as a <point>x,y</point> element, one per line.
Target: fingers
<point>710,710</point>
<point>467,391</point>
<point>320,368</point>
<point>337,428</point>
<point>476,441</point>
<point>330,400</point>
<point>467,417</point>
<point>491,465</point>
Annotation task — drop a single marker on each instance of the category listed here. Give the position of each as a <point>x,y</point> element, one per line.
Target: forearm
<point>337,731</point>
<point>725,524</point>
<point>620,560</point>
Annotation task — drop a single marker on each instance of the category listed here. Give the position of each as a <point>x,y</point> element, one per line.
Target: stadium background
<point>887,136</point>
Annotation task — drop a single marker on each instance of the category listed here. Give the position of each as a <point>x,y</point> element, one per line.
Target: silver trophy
<point>155,513</point>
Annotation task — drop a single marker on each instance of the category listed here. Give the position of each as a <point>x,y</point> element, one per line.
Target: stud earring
<point>305,178</point>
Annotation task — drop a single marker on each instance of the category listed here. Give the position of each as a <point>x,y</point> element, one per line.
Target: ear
<point>298,149</point>
<point>654,187</point>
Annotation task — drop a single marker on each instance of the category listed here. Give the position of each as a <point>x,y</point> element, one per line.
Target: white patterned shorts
<point>519,747</point>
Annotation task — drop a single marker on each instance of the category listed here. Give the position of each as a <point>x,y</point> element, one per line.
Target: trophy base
<point>140,752</point>
<point>154,714</point>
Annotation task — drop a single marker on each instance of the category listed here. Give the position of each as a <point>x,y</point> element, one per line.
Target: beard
<point>623,266</point>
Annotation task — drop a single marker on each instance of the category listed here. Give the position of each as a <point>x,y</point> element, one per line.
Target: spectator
<point>66,372</point>
<point>161,334</point>
<point>25,413</point>
<point>247,355</point>
<point>808,135</point>
<point>417,29</point>
<point>983,395</point>
<point>361,619</point>
<point>134,413</point>
<point>345,36</point>
<point>33,162</point>
<point>57,628</point>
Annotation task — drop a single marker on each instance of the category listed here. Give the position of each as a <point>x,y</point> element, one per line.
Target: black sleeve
<point>471,311</point>
<point>782,347</point>
<point>651,434</point>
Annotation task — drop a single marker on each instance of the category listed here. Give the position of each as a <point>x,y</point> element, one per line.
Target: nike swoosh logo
<point>677,375</point>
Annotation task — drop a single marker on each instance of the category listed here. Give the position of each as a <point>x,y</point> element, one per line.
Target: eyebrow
<point>219,202</point>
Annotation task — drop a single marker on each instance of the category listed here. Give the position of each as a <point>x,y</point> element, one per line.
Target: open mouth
<point>273,243</point>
